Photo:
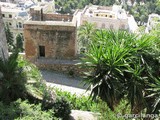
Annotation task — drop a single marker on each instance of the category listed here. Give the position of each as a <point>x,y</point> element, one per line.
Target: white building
<point>153,20</point>
<point>14,15</point>
<point>106,17</point>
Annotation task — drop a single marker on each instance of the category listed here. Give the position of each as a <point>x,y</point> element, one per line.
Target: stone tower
<point>3,41</point>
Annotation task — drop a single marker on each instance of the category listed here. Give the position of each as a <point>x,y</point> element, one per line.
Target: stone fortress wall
<point>3,42</point>
<point>54,35</point>
<point>57,38</point>
<point>40,15</point>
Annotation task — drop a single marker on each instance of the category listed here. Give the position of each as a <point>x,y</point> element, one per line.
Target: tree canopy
<point>68,6</point>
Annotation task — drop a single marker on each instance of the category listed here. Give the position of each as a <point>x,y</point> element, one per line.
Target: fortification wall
<point>3,42</point>
<point>58,40</point>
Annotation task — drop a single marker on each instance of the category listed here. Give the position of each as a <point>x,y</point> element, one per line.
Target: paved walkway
<point>73,85</point>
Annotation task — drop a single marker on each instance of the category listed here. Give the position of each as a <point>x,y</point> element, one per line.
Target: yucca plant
<point>154,94</point>
<point>20,79</point>
<point>120,65</point>
<point>12,81</point>
<point>108,59</point>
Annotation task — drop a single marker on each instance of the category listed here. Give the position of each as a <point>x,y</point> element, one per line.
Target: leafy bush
<point>49,99</point>
<point>22,110</point>
<point>20,79</point>
<point>12,80</point>
<point>62,108</point>
<point>99,106</point>
<point>108,114</point>
<point>77,102</point>
<point>35,86</point>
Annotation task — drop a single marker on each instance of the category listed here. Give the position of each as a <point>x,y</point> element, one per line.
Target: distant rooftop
<point>115,10</point>
<point>22,5</point>
<point>23,14</point>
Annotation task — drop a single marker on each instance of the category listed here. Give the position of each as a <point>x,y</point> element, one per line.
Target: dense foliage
<point>12,80</point>
<point>62,108</point>
<point>141,10</point>
<point>124,66</point>
<point>21,79</point>
<point>69,6</point>
<point>23,110</point>
<point>99,107</point>
<point>85,33</point>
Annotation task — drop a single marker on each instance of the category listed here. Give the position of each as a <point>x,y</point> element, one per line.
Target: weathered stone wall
<point>59,39</point>
<point>36,14</point>
<point>57,17</point>
<point>69,67</point>
<point>3,42</point>
<point>39,15</point>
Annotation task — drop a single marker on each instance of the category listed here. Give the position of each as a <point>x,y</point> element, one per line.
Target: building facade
<point>153,21</point>
<point>15,17</point>
<point>16,14</point>
<point>49,35</point>
<point>51,40</point>
<point>103,17</point>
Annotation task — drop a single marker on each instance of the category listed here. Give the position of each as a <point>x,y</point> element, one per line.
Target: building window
<point>10,16</point>
<point>96,14</point>
<point>106,15</point>
<point>42,51</point>
<point>3,15</point>
<point>10,24</point>
<point>110,16</point>
<point>20,25</point>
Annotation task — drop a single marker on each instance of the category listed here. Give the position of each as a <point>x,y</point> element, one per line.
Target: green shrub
<point>12,80</point>
<point>86,104</point>
<point>62,108</point>
<point>48,99</point>
<point>22,110</point>
<point>77,103</point>
<point>108,114</point>
<point>20,79</point>
<point>35,86</point>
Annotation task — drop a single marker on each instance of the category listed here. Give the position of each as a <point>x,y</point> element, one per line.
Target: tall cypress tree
<point>19,43</point>
<point>9,37</point>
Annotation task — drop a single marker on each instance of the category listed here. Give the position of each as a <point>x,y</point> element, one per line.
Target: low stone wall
<point>69,67</point>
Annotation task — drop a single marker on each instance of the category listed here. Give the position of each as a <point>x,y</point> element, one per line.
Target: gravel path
<point>64,82</point>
